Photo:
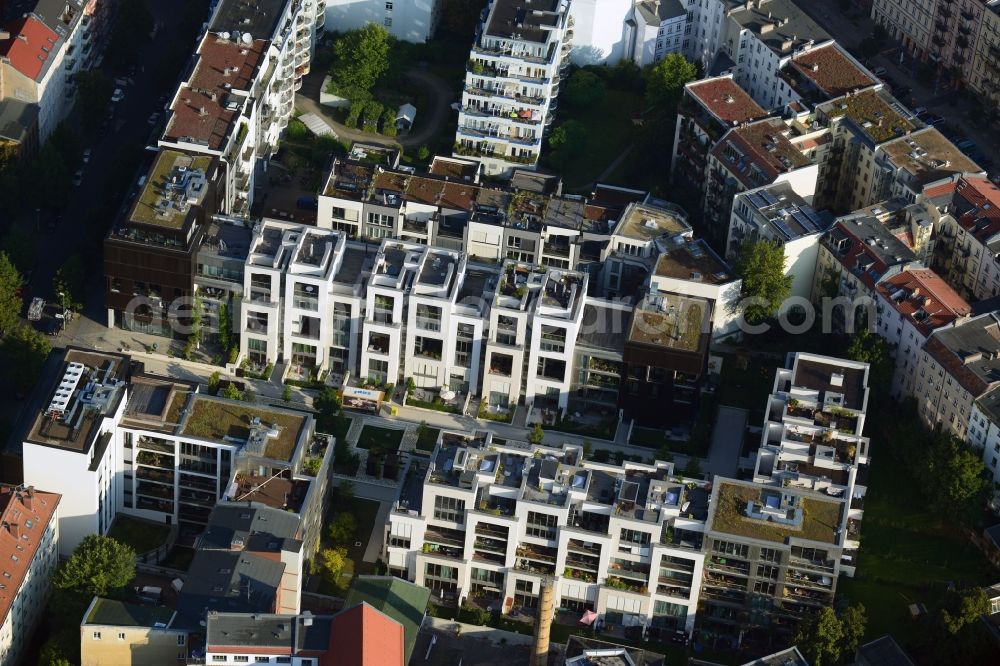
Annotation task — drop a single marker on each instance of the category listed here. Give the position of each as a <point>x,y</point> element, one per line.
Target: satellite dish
<point>224,35</point>
<point>247,39</point>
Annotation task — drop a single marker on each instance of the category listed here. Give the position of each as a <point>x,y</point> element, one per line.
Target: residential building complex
<point>521,51</point>
<point>984,74</point>
<point>155,448</point>
<point>117,632</point>
<point>967,246</point>
<point>490,519</point>
<point>29,542</point>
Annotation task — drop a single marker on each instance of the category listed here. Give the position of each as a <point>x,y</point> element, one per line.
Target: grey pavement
<point>727,440</point>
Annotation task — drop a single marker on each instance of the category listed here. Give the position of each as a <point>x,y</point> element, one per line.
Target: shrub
<point>354,114</point>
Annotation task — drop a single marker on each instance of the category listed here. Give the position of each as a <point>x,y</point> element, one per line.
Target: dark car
<point>52,327</point>
<point>679,637</point>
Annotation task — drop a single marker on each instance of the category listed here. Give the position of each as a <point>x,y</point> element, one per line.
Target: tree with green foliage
<point>423,153</point>
<point>854,621</point>
<point>963,608</point>
<point>10,302</point>
<point>343,529</point>
<point>761,265</point>
<point>665,454</point>
<point>361,58</point>
<point>567,142</point>
<point>327,403</point>
<point>98,567</point>
<point>23,352</point>
<point>19,244</point>
<point>665,82</point>
<point>870,348</point>
<point>537,434</point>
<point>693,467</point>
<point>583,88</point>
<point>213,382</point>
<point>286,393</point>
<point>820,637</point>
<point>588,449</point>
<point>68,283</point>
<point>330,563</point>
<point>94,89</point>
<point>232,392</point>
<point>953,477</point>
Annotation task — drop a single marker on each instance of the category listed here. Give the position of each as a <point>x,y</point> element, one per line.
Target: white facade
<point>654,30</point>
<point>407,20</point>
<point>545,512</point>
<point>511,84</point>
<point>597,27</point>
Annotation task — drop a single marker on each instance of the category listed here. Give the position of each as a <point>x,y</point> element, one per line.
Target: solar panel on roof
<point>803,220</point>
<point>756,201</point>
<point>783,228</point>
<point>768,197</point>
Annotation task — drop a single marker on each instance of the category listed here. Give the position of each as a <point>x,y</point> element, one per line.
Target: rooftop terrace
<point>175,184</point>
<point>695,262</point>
<point>816,520</point>
<point>879,118</point>
<point>229,420</point>
<point>671,321</point>
<point>647,223</point>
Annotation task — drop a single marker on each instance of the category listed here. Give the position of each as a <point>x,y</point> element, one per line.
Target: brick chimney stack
<point>543,627</point>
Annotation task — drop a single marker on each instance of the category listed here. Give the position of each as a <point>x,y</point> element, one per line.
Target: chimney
<point>15,530</point>
<point>540,650</point>
<point>28,498</point>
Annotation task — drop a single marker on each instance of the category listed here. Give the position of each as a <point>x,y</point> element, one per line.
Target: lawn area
<point>142,535</point>
<point>364,512</point>
<point>908,555</point>
<point>609,133</point>
<point>217,419</point>
<point>380,439</point>
<point>427,438</point>
<point>747,387</point>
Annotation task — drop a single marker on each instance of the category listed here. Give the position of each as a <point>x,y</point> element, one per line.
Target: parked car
<point>933,119</point>
<point>86,155</point>
<point>920,110</point>
<point>78,178</point>
<point>118,95</point>
<point>53,326</point>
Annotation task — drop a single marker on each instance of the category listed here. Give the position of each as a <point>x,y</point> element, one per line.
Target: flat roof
<point>671,321</point>
<point>879,118</point>
<point>156,402</point>
<point>604,327</point>
<point>820,518</point>
<point>84,388</point>
<point>928,156</point>
<point>267,630</point>
<point>349,180</point>
<point>164,200</point>
<point>111,612</point>
<point>694,261</point>
<point>259,18</point>
<point>884,651</point>
<point>725,100</point>
<point>217,419</point>
<point>450,167</point>
<point>780,24</point>
<point>647,223</point>
<point>819,375</point>
<point>832,70</point>
<point>525,19</point>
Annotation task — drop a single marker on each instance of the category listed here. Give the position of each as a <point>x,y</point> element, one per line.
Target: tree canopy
<point>665,81</point>
<point>820,637</point>
<point>583,87</point>
<point>24,351</point>
<point>343,528</point>
<point>130,32</point>
<point>953,476</point>
<point>361,58</point>
<point>95,89</point>
<point>68,283</point>
<point>99,565</point>
<point>963,608</point>
<point>867,347</point>
<point>10,302</point>
<point>567,142</point>
<point>761,265</point>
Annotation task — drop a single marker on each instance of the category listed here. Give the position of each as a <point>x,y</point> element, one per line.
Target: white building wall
<point>407,20</point>
<point>598,36</point>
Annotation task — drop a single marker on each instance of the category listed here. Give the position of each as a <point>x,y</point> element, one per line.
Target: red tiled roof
<point>955,366</point>
<point>977,207</point>
<point>924,290</point>
<point>25,516</point>
<point>940,190</point>
<point>200,111</point>
<point>829,68</point>
<point>30,45</point>
<point>362,636</point>
<point>762,145</point>
<point>726,100</point>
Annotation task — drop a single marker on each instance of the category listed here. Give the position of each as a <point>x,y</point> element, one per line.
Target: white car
<point>117,95</point>
<point>86,156</point>
<point>77,177</point>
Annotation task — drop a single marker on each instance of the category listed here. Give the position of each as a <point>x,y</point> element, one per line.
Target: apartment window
<point>97,635</point>
<point>541,525</point>
<point>181,639</point>
<point>121,635</point>
<point>283,660</point>
<point>441,571</point>
<point>770,555</point>
<point>729,548</point>
<point>388,6</point>
<point>450,508</point>
<point>218,657</point>
<point>767,571</point>
<point>388,22</point>
<point>262,660</point>
<point>242,659</point>
<point>764,588</point>
<point>635,536</point>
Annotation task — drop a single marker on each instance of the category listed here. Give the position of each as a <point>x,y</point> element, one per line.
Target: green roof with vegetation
<point>820,520</point>
<point>873,114</point>
<point>118,613</point>
<point>404,602</point>
<point>216,419</point>
<point>145,210</point>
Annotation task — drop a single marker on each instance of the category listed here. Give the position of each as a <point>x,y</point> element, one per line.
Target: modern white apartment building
<point>147,446</point>
<point>910,306</point>
<point>778,214</point>
<point>29,545</point>
<point>489,519</point>
<point>240,95</point>
<point>509,99</point>
<point>957,366</point>
<point>654,29</point>
<point>407,21</point>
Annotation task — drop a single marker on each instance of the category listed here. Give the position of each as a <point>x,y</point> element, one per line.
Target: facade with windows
<point>405,20</point>
<point>509,101</point>
<point>654,29</point>
<point>492,519</point>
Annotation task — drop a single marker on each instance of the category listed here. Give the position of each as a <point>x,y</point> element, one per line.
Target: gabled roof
<point>363,636</point>
<point>920,295</point>
<point>970,353</point>
<point>31,47</point>
<point>25,514</point>
<point>758,153</point>
<point>977,208</point>
<point>402,601</point>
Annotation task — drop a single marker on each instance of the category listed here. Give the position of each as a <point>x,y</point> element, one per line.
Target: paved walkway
<point>727,441</point>
<point>316,124</point>
<point>429,121</point>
